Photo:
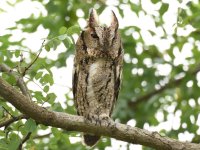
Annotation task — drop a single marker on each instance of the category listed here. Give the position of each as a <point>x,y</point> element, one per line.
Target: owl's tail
<point>90,140</point>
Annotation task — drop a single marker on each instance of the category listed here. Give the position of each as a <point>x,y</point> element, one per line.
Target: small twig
<point>20,62</point>
<point>35,83</point>
<point>8,112</point>
<point>170,84</point>
<point>27,137</point>
<point>25,51</point>
<point>40,50</point>
<point>7,122</point>
<point>28,67</point>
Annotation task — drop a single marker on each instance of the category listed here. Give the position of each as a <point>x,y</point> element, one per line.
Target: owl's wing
<point>80,53</point>
<point>118,72</point>
<point>117,81</point>
<point>74,80</point>
<point>118,75</point>
<point>74,84</point>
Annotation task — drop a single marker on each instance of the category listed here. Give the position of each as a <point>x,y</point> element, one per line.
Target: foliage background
<point>161,78</point>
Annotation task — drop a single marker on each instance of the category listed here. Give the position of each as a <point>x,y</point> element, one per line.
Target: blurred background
<point>161,75</point>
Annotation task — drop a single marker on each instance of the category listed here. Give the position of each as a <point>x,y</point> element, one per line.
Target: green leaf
<point>51,98</point>
<point>67,42</point>
<point>30,125</point>
<point>56,42</point>
<point>38,95</point>
<point>50,43</point>
<point>195,22</point>
<point>46,88</point>
<point>48,79</point>
<point>3,145</point>
<point>163,8</point>
<point>1,57</point>
<point>57,107</point>
<point>10,79</point>
<point>62,37</point>
<point>73,29</point>
<point>154,1</point>
<point>38,75</point>
<point>1,112</point>
<point>49,71</point>
<point>17,53</point>
<point>56,132</point>
<point>62,30</point>
<point>14,142</point>
<point>9,54</point>
<point>47,47</point>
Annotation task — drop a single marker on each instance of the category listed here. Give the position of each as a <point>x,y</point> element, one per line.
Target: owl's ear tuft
<point>114,21</point>
<point>93,19</point>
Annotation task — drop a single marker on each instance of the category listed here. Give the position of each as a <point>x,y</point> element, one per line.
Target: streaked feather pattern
<point>97,72</point>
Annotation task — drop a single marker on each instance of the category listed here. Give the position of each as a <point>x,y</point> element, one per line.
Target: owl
<point>97,72</point>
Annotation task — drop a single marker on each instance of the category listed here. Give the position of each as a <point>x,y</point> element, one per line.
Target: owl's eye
<point>94,35</point>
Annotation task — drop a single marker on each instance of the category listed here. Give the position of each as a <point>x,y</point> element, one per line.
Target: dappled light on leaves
<point>161,73</point>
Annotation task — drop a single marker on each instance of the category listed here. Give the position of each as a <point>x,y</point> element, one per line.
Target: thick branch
<point>76,123</point>
<point>170,84</point>
<point>21,84</point>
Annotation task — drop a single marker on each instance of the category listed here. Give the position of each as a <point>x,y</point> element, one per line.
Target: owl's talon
<point>87,120</point>
<point>105,120</point>
<point>92,119</point>
<point>112,124</point>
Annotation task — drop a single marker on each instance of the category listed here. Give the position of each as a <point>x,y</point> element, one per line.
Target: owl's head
<point>102,39</point>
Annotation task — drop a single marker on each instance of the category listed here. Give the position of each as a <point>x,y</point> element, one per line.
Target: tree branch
<point>11,120</point>
<point>20,82</point>
<point>24,140</point>
<point>29,66</point>
<point>149,95</point>
<point>76,123</point>
<point>170,84</point>
<point>7,111</point>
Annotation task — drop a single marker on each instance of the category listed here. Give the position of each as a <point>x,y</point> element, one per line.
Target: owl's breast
<point>99,79</point>
<point>99,69</point>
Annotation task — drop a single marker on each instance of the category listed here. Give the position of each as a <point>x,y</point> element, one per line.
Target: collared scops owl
<point>97,72</point>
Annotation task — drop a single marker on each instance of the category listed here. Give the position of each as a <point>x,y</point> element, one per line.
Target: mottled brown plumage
<point>97,72</point>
